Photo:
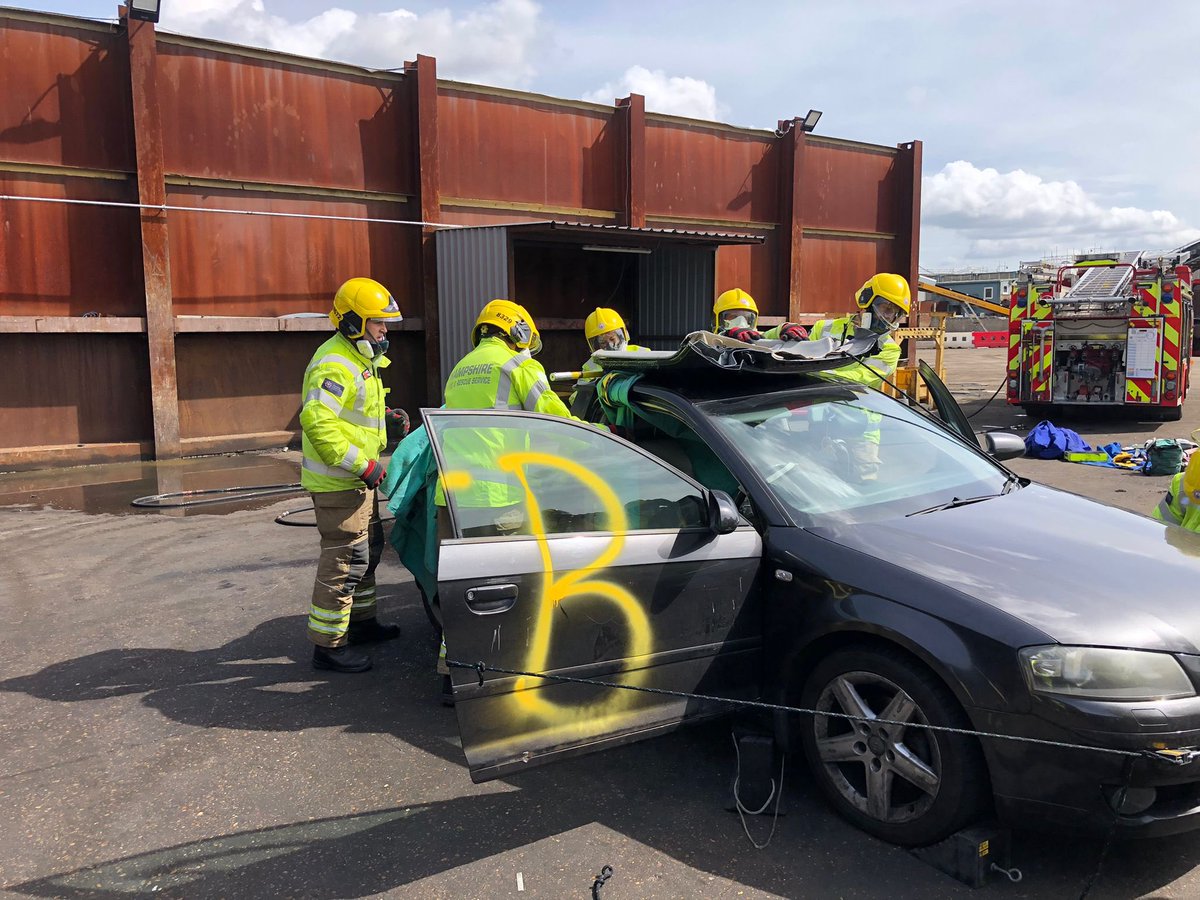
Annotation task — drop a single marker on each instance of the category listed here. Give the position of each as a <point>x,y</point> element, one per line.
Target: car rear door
<point>568,551</point>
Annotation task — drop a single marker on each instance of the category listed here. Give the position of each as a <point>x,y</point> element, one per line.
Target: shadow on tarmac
<point>664,794</point>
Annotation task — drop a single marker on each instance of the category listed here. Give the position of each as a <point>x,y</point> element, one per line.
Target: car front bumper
<point>1037,786</point>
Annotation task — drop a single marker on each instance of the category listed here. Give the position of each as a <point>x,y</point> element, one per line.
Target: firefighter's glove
<point>373,474</point>
<point>397,424</point>
<point>745,335</point>
<point>793,332</point>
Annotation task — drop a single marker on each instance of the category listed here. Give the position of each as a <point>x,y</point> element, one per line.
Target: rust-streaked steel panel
<point>65,96</point>
<point>693,171</point>
<point>755,269</point>
<point>225,264</point>
<point>851,189</point>
<point>225,388</point>
<point>230,116</point>
<point>503,148</point>
<point>836,267</point>
<point>74,389</point>
<point>58,259</point>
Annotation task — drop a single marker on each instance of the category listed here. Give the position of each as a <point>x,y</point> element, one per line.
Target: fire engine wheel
<point>904,784</point>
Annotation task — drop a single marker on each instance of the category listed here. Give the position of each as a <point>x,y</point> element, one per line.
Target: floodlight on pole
<point>144,10</point>
<point>810,120</point>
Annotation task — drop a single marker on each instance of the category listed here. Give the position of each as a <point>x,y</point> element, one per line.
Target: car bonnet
<point>1077,570</point>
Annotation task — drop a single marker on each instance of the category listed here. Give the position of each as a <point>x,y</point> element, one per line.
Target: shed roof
<point>622,235</point>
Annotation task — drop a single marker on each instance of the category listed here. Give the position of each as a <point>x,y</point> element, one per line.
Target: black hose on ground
<point>183,499</point>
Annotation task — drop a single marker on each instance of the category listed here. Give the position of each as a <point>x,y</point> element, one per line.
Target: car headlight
<point>1104,673</point>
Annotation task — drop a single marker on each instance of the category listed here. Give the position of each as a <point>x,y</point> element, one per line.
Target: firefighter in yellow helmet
<point>604,329</point>
<point>1181,504</point>
<point>500,373</point>
<point>735,315</point>
<point>883,300</point>
<point>343,417</point>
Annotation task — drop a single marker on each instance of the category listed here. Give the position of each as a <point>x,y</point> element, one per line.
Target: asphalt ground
<point>162,732</point>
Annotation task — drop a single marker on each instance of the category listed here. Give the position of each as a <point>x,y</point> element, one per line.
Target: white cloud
<point>1018,214</point>
<point>671,94</point>
<point>493,43</point>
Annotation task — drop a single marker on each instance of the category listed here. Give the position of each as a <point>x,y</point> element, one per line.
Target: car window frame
<point>586,427</point>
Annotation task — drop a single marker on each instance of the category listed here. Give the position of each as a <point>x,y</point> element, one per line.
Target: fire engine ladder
<point>1103,283</point>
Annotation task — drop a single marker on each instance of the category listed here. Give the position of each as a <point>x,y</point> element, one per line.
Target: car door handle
<point>490,599</point>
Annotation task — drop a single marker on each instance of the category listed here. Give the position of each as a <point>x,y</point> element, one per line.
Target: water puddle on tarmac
<point>111,487</point>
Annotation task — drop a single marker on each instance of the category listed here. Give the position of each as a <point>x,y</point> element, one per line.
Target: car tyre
<point>912,788</point>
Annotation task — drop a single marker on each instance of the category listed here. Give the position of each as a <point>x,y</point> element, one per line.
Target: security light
<point>145,10</point>
<point>810,120</point>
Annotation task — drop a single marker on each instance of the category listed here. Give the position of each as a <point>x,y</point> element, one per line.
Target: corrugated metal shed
<point>472,267</point>
<point>675,277</point>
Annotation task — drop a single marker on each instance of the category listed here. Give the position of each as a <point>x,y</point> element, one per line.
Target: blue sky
<point>1047,127</point>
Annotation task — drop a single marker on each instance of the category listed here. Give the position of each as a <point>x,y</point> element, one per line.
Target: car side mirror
<point>1004,444</point>
<point>723,516</point>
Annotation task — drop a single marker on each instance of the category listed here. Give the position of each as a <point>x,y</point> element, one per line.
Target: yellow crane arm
<point>963,298</point>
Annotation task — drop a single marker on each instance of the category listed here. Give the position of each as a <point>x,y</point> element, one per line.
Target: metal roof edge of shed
<point>597,229</point>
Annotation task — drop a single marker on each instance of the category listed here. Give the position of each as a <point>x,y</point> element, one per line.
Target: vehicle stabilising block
<point>970,854</point>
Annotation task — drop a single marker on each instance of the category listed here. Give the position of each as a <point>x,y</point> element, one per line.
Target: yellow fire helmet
<point>729,304</point>
<point>885,287</point>
<point>358,300</point>
<point>513,320</point>
<point>600,323</point>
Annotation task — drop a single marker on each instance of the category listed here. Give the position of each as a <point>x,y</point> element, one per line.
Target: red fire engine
<point>1112,330</point>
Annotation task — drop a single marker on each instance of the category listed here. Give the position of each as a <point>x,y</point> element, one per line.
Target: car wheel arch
<point>805,658</point>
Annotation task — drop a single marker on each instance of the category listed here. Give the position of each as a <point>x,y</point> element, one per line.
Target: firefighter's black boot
<point>340,659</point>
<point>370,631</point>
<point>447,691</point>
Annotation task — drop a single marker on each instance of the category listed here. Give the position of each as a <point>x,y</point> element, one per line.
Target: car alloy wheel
<point>900,782</point>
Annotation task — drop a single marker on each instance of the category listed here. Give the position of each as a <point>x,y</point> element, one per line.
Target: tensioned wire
<point>236,212</point>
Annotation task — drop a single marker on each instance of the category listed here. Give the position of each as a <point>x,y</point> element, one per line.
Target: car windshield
<point>841,453</point>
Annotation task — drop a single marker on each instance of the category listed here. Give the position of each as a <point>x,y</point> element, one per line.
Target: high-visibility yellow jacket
<point>494,376</point>
<point>342,416</point>
<point>1173,507</point>
<point>878,367</point>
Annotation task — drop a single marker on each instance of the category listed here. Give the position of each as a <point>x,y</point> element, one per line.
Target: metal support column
<point>156,254</point>
<point>425,128</point>
<point>791,213</point>
<point>632,110</point>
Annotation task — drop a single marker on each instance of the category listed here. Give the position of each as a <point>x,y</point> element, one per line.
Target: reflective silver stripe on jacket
<point>1164,509</point>
<point>343,469</point>
<point>504,386</point>
<point>348,364</point>
<point>355,415</point>
<point>534,394</point>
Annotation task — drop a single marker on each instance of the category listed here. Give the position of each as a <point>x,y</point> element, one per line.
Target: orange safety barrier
<point>989,338</point>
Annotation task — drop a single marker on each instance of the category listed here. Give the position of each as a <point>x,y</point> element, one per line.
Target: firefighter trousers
<point>351,546</point>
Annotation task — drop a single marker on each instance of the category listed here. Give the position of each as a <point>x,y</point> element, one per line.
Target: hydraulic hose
<point>183,499</point>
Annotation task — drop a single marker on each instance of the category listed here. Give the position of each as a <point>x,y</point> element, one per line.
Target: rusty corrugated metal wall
<point>187,354</point>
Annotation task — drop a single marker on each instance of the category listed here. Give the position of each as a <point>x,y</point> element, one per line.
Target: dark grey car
<point>735,545</point>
